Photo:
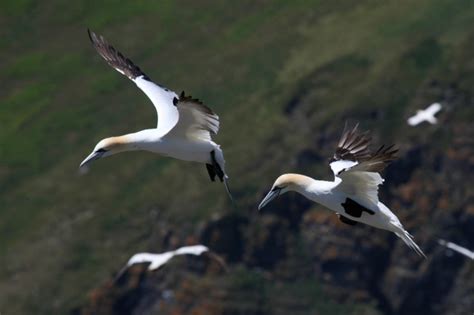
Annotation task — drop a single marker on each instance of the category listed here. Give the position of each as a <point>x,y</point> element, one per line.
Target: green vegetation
<point>61,234</point>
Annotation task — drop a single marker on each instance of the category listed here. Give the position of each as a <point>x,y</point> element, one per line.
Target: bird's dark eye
<point>101,151</point>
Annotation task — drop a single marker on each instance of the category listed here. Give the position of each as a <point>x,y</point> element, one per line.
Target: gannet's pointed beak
<point>272,194</point>
<point>92,157</point>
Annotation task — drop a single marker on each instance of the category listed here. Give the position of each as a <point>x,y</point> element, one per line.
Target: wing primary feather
<point>115,58</point>
<point>354,146</point>
<point>196,119</point>
<point>197,102</point>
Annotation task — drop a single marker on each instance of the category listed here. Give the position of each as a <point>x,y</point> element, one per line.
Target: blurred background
<point>283,76</point>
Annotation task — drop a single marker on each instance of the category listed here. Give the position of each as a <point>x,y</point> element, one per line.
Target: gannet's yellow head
<point>283,184</point>
<point>106,147</point>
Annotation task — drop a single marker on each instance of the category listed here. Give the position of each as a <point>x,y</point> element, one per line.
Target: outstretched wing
<point>191,250</point>
<point>351,148</point>
<point>196,120</point>
<point>163,99</point>
<point>353,153</point>
<point>415,119</point>
<point>464,251</point>
<point>358,167</point>
<point>433,109</point>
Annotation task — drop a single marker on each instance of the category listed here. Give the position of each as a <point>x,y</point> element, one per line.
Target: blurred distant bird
<point>184,125</point>
<point>464,251</point>
<point>427,114</point>
<point>156,261</point>
<point>353,194</point>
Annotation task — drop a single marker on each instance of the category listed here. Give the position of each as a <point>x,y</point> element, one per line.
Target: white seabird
<point>427,114</point>
<point>184,125</point>
<point>353,194</point>
<point>464,251</point>
<point>156,261</point>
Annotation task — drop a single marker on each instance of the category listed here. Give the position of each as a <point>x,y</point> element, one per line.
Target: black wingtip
<point>89,32</point>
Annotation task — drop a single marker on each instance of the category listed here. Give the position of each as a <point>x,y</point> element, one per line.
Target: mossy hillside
<point>246,61</point>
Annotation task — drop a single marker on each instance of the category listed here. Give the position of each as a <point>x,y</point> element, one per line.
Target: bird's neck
<point>140,140</point>
<point>316,190</point>
<point>303,184</point>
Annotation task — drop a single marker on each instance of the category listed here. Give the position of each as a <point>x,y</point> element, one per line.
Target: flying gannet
<point>184,125</point>
<point>353,194</point>
<point>427,114</point>
<point>464,251</point>
<point>156,261</point>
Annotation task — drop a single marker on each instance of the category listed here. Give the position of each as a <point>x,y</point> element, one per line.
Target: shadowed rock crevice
<point>218,234</point>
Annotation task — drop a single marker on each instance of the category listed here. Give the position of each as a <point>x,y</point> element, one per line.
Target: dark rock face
<point>412,160</point>
<point>218,234</point>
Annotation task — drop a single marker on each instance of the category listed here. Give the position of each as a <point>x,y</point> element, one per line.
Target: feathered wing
<point>462,250</point>
<point>358,167</point>
<point>351,148</point>
<point>163,99</point>
<point>191,250</point>
<point>363,186</point>
<point>155,260</point>
<point>415,119</point>
<point>196,120</point>
<point>433,108</point>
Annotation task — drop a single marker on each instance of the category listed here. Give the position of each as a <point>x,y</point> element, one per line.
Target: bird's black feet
<point>214,169</point>
<point>345,220</point>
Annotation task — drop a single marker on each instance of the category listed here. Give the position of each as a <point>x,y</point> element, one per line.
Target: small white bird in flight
<point>464,251</point>
<point>156,261</point>
<point>184,125</point>
<point>427,114</point>
<point>353,194</point>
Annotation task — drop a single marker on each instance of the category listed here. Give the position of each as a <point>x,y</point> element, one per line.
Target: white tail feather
<point>226,184</point>
<point>408,239</point>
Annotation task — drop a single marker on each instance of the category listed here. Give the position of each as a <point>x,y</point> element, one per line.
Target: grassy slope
<point>60,233</point>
